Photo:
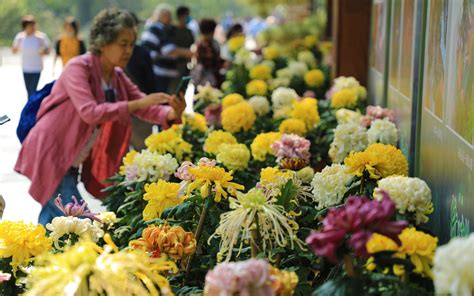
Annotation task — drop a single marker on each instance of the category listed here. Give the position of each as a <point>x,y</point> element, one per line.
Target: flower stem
<point>349,266</point>
<point>362,183</point>
<point>255,238</point>
<point>197,235</point>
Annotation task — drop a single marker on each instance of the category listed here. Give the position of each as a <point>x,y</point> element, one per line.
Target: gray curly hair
<point>106,27</point>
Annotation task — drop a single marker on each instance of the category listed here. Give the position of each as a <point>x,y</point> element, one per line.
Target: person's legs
<point>67,189</point>
<point>31,82</point>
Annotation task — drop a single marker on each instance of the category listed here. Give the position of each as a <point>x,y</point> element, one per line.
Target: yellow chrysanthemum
<point>196,121</point>
<point>271,52</point>
<point>326,47</point>
<point>272,175</point>
<point>215,139</point>
<point>419,246</point>
<point>314,78</point>
<point>172,241</point>
<point>231,99</point>
<point>21,241</point>
<point>87,269</point>
<point>240,117</point>
<point>160,196</point>
<point>208,178</point>
<point>234,156</point>
<point>345,98</point>
<point>169,141</point>
<point>307,111</point>
<point>261,71</point>
<point>127,161</point>
<point>293,126</point>
<point>256,87</point>
<point>379,160</point>
<point>236,43</point>
<point>310,41</point>
<point>261,145</point>
<point>284,282</point>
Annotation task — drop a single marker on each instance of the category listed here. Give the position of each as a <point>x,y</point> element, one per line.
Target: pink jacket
<point>66,120</point>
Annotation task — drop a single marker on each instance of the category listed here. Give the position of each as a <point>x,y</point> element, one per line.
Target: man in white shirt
<point>32,45</point>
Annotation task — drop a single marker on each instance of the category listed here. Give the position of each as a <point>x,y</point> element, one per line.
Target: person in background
<point>68,44</point>
<point>182,37</point>
<point>32,45</point>
<point>140,70</point>
<point>235,30</point>
<point>163,51</point>
<point>85,121</point>
<point>208,56</point>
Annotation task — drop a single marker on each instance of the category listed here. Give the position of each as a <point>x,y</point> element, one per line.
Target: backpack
<point>28,114</point>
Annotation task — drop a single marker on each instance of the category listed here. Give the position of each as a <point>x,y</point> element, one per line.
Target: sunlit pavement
<point>14,187</point>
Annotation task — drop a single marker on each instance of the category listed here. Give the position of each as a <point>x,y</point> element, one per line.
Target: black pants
<point>31,82</point>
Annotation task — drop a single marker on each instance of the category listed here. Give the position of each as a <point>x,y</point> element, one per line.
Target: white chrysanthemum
<point>283,97</point>
<point>347,137</point>
<point>330,185</point>
<point>285,73</point>
<point>83,228</point>
<point>269,63</point>
<point>278,82</point>
<point>260,105</point>
<point>208,93</point>
<point>344,115</point>
<point>297,68</point>
<point>383,131</point>
<point>452,270</point>
<point>245,57</point>
<point>151,166</point>
<point>343,82</point>
<point>308,58</point>
<point>409,195</point>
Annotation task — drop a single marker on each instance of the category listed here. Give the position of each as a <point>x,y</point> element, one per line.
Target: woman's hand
<point>149,100</point>
<point>178,103</point>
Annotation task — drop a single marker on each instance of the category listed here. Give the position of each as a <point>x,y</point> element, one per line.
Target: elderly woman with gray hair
<point>86,118</point>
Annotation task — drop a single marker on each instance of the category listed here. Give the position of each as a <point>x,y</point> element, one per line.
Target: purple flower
<point>360,217</point>
<point>75,209</point>
<point>376,112</point>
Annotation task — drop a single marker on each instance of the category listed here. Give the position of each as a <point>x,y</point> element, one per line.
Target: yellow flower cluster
<point>231,99</point>
<point>215,139</point>
<point>261,71</point>
<point>127,161</point>
<point>293,126</point>
<point>234,156</point>
<point>172,241</point>
<point>314,78</point>
<point>160,196</point>
<point>196,121</point>
<point>169,141</point>
<point>272,175</point>
<point>379,160</point>
<point>256,87</point>
<point>208,178</point>
<point>21,241</point>
<point>307,111</point>
<point>239,117</point>
<point>310,41</point>
<point>87,269</point>
<point>236,43</point>
<point>419,246</point>
<point>283,282</point>
<point>345,98</point>
<point>271,52</point>
<point>261,145</point>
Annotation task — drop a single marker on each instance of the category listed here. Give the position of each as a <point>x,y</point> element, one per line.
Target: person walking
<point>32,45</point>
<point>85,121</point>
<point>68,45</point>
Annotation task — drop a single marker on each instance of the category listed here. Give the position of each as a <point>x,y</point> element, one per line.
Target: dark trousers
<point>162,83</point>
<point>31,82</point>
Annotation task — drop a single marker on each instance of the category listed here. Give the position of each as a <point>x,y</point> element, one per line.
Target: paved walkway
<point>14,187</point>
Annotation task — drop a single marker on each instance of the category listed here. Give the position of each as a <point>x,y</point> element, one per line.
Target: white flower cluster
<point>383,131</point>
<point>344,115</point>
<point>282,99</point>
<point>308,58</point>
<point>83,228</point>
<point>453,265</point>
<point>343,82</point>
<point>297,68</point>
<point>245,57</point>
<point>278,82</point>
<point>151,166</point>
<point>409,195</point>
<point>260,105</point>
<point>347,137</point>
<point>330,185</point>
<point>208,93</point>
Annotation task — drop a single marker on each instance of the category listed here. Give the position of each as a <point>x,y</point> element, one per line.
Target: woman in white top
<point>32,45</point>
